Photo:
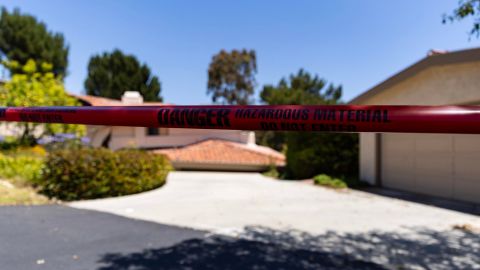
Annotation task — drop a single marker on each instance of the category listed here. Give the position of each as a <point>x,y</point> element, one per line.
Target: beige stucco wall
<point>368,151</point>
<point>438,85</point>
<point>125,137</point>
<point>9,129</point>
<point>97,134</point>
<point>12,129</point>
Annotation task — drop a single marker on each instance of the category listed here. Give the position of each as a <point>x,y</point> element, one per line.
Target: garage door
<point>435,164</point>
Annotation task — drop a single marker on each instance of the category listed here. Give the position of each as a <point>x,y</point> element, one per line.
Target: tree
<point>111,74</point>
<point>466,8</point>
<point>37,86</point>
<point>311,153</point>
<point>23,37</point>
<point>300,89</point>
<point>231,77</point>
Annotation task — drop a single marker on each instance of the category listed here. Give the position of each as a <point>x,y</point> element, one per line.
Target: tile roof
<point>97,101</point>
<point>101,101</point>
<point>215,151</point>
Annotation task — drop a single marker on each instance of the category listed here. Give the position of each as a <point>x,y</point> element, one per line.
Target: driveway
<point>253,222</point>
<point>229,202</point>
<point>272,224</point>
<point>56,237</point>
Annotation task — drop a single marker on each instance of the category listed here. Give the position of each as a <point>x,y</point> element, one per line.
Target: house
<point>444,165</point>
<point>196,149</point>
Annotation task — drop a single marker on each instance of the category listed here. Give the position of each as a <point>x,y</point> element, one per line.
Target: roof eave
<point>462,56</point>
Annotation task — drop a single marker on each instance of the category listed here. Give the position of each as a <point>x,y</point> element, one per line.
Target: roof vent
<point>433,52</point>
<point>132,97</point>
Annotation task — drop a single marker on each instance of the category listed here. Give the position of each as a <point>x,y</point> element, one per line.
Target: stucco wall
<point>124,137</point>
<point>9,129</point>
<point>368,150</point>
<point>438,85</point>
<point>13,129</point>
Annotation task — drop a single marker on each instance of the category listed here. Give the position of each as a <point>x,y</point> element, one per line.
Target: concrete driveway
<point>254,222</point>
<point>227,203</point>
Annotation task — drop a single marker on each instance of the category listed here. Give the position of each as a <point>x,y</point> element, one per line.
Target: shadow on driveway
<point>58,237</point>
<point>263,248</point>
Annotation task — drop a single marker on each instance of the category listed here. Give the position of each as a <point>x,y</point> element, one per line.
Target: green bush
<point>325,180</point>
<point>89,173</point>
<point>20,167</point>
<point>8,143</point>
<point>312,153</point>
<point>272,172</point>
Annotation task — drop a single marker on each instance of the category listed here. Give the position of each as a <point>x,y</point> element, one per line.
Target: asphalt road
<point>59,237</point>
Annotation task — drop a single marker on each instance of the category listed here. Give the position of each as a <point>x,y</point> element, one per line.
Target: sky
<point>356,44</point>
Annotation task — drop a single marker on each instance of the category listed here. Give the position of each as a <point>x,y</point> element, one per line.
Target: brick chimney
<point>132,98</point>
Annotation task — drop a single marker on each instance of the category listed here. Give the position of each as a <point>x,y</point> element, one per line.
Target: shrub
<point>20,167</point>
<point>9,143</point>
<point>272,172</point>
<point>27,151</point>
<point>325,180</point>
<point>312,153</point>
<point>89,173</point>
<point>63,141</point>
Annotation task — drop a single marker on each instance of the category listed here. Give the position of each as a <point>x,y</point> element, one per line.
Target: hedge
<point>89,173</point>
<point>312,153</point>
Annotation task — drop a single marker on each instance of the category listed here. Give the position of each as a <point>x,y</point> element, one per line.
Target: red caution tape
<point>335,118</point>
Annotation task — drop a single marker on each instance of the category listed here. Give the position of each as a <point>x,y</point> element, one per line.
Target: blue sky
<point>353,43</point>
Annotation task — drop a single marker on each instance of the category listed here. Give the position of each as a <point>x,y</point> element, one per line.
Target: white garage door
<point>436,164</point>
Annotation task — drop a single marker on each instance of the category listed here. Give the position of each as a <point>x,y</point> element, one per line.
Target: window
<point>153,131</point>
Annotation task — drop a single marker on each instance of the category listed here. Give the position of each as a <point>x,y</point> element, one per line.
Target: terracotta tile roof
<point>101,101</point>
<point>224,152</point>
<point>97,101</point>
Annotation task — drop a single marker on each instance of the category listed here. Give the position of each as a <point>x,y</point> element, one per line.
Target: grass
<point>272,172</point>
<point>19,167</point>
<point>11,194</point>
<point>327,181</point>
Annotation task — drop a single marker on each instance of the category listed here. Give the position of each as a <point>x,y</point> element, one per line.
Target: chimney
<point>433,52</point>
<point>132,98</point>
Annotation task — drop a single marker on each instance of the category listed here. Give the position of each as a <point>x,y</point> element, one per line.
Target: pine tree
<point>111,74</point>
<point>231,77</point>
<point>24,38</point>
